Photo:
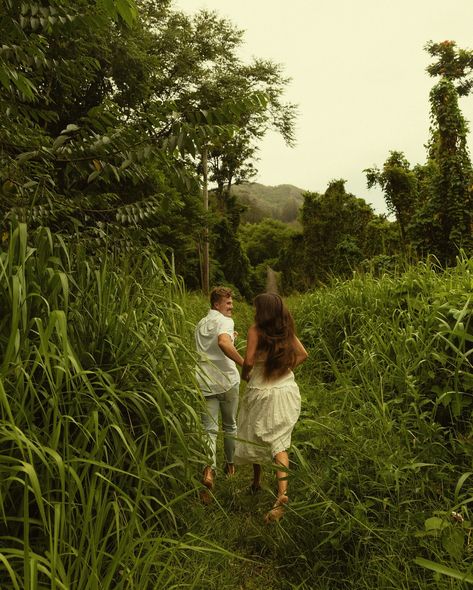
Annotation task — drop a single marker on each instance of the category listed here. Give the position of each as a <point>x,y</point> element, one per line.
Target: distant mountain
<point>279,202</point>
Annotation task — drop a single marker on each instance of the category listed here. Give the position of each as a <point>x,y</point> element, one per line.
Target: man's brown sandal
<point>278,510</point>
<point>208,478</point>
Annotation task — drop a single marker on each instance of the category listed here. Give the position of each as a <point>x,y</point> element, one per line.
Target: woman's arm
<point>301,352</point>
<point>251,346</point>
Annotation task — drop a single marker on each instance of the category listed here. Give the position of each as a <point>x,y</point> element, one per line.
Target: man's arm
<point>228,348</point>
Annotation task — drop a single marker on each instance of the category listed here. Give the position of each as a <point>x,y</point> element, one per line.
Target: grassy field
<point>381,483</point>
<point>101,446</point>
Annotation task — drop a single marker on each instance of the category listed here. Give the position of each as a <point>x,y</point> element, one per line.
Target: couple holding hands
<point>270,405</point>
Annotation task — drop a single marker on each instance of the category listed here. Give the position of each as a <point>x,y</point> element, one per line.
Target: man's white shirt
<point>216,373</point>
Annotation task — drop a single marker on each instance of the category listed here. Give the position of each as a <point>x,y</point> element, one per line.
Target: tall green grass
<point>381,474</point>
<point>99,436</point>
<point>384,446</point>
<point>100,441</point>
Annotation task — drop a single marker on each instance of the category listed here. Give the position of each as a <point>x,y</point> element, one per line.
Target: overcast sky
<point>358,76</point>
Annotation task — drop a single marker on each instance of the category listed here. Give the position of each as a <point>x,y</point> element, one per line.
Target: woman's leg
<point>277,511</point>
<point>256,485</point>
<point>282,459</point>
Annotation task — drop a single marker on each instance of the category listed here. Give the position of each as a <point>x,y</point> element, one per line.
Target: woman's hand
<point>251,346</point>
<point>246,372</point>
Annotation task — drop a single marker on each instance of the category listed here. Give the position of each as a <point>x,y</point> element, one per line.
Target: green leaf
<point>93,175</point>
<point>443,569</point>
<point>435,523</point>
<point>453,542</point>
<point>25,156</point>
<point>70,128</point>
<point>127,10</point>
<point>460,483</point>
<point>4,79</point>
<point>24,85</point>
<point>59,141</point>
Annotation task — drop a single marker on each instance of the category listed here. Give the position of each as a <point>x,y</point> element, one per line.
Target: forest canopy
<point>120,113</point>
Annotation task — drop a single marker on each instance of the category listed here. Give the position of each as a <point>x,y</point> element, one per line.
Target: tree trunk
<point>205,195</point>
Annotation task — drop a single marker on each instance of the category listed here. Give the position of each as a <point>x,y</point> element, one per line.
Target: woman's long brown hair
<point>275,334</point>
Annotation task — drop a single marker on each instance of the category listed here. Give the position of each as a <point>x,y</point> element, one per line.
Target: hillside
<point>279,202</point>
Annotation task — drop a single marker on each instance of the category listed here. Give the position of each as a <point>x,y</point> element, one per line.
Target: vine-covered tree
<point>334,229</point>
<point>339,231</point>
<point>399,184</point>
<point>443,223</point>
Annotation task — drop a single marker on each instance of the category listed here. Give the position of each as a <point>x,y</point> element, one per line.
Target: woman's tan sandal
<point>278,510</point>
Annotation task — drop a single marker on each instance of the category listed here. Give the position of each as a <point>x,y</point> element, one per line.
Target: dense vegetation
<point>99,437</point>
<point>101,444</point>
<point>117,114</point>
<point>386,439</point>
<point>118,111</point>
<point>110,108</point>
<point>381,479</point>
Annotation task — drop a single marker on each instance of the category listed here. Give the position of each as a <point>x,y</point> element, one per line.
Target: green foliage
<point>433,203</point>
<point>421,306</point>
<point>69,144</point>
<point>264,244</point>
<point>443,222</point>
<point>382,238</point>
<point>334,231</point>
<point>233,264</point>
<point>100,436</point>
<point>382,455</point>
<point>264,241</point>
<point>399,184</point>
<point>109,106</point>
<point>453,64</point>
<point>338,234</point>
<point>380,478</point>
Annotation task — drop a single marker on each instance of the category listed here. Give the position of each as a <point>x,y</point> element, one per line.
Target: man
<point>218,377</point>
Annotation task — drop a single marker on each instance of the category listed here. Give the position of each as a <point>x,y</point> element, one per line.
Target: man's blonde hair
<point>218,293</point>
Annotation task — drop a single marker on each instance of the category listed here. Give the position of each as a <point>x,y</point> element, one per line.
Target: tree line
<point>110,106</point>
<point>432,203</point>
<point>117,111</point>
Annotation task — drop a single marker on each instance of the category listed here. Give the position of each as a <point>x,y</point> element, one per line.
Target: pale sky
<point>358,76</point>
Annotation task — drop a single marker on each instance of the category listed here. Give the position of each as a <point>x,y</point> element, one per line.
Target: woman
<point>271,404</point>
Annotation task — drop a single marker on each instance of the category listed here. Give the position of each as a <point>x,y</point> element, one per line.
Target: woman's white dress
<point>267,415</point>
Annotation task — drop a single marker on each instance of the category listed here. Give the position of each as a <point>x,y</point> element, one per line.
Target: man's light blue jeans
<point>227,404</point>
